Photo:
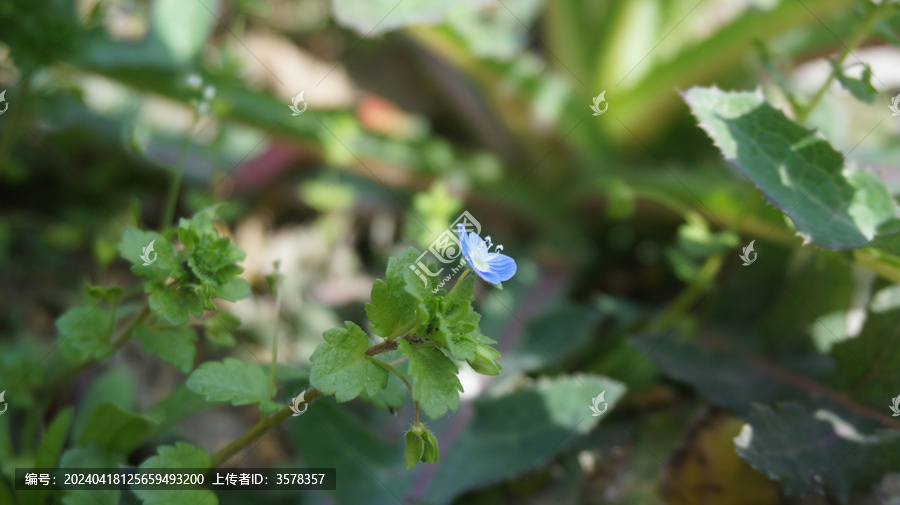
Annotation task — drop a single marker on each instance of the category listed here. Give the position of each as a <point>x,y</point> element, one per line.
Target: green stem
<point>690,294</point>
<point>175,185</point>
<point>396,372</point>
<point>260,429</point>
<point>872,18</point>
<point>459,281</point>
<point>275,333</point>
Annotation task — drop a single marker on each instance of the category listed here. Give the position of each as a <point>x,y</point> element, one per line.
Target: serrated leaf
<point>860,88</point>
<point>392,310</point>
<point>181,455</point>
<point>116,428</point>
<point>91,456</point>
<point>831,204</point>
<point>234,381</point>
<point>164,263</point>
<point>84,333</point>
<point>174,303</point>
<point>435,386</point>
<point>174,345</point>
<point>797,448</point>
<point>340,367</point>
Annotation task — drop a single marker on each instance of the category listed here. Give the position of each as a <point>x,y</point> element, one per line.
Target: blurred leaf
<point>432,212</point>
<point>435,386</point>
<point>183,27</point>
<point>392,311</point>
<point>790,163</point>
<point>500,31</point>
<point>48,452</point>
<point>392,395</point>
<point>232,380</point>
<point>374,17</point>
<point>860,88</point>
<point>179,405</point>
<point>84,333</point>
<point>132,247</point>
<point>552,336</point>
<point>886,299</point>
<point>518,432</point>
<point>341,368</point>
<point>114,386</point>
<point>108,294</point>
<point>797,448</point>
<point>174,345</point>
<point>219,328</point>
<point>867,365</point>
<point>181,455</point>
<point>707,470</point>
<point>174,303</point>
<point>726,378</point>
<point>87,457</point>
<point>115,428</point>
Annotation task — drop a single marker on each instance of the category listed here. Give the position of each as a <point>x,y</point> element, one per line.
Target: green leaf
<point>84,333</point>
<point>236,288</point>
<point>831,204</point>
<point>391,396</point>
<point>114,386</point>
<point>520,431</point>
<point>183,27</point>
<point>164,262</point>
<point>392,311</point>
<point>175,304</point>
<point>181,455</point>
<point>551,336</point>
<point>796,448</point>
<point>48,451</point>
<point>860,88</point>
<point>115,428</point>
<point>435,386</point>
<point>374,17</point>
<point>91,456</point>
<point>340,367</point>
<point>867,365</point>
<point>173,345</point>
<point>232,380</point>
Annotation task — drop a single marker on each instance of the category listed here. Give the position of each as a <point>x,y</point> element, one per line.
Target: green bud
<point>421,445</point>
<point>484,363</point>
<point>415,446</point>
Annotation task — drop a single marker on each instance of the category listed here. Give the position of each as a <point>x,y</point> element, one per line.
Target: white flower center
<point>480,254</point>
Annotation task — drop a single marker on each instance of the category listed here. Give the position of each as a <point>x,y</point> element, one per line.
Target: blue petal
<point>500,268</point>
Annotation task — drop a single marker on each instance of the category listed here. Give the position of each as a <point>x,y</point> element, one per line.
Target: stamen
<point>498,248</point>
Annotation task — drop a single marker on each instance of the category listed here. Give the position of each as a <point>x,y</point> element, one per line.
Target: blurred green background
<point>627,228</point>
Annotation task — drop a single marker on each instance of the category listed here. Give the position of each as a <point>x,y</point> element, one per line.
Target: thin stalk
<point>175,185</point>
<point>260,429</point>
<point>406,383</point>
<point>459,281</point>
<point>690,294</point>
<point>275,333</point>
<point>873,17</point>
<point>15,120</point>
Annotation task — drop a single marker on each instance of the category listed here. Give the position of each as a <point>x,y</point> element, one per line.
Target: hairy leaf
<point>232,380</point>
<point>84,333</point>
<point>799,449</point>
<point>831,204</point>
<point>340,367</point>
<point>173,345</point>
<point>393,310</point>
<point>435,386</point>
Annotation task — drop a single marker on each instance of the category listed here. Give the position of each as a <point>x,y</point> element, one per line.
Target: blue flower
<point>490,266</point>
